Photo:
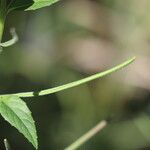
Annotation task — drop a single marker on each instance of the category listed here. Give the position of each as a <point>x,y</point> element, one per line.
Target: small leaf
<point>30,4</point>
<point>41,3</point>
<point>16,112</point>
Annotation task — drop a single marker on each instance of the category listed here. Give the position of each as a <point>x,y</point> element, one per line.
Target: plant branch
<point>87,136</point>
<point>11,41</point>
<point>73,84</point>
<point>2,17</point>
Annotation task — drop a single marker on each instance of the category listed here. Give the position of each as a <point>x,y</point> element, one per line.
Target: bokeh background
<point>69,41</point>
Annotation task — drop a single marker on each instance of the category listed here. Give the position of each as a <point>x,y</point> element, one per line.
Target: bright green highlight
<point>12,41</point>
<point>2,17</point>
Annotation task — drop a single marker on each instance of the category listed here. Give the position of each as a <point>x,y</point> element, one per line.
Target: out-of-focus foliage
<point>69,41</point>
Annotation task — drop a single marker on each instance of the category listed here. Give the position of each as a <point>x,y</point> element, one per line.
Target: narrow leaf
<point>16,112</point>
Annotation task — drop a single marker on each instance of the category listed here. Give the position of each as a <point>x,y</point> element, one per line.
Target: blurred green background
<point>69,41</point>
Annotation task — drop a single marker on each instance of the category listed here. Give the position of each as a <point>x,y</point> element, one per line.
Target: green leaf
<point>16,112</point>
<point>41,3</point>
<point>29,4</point>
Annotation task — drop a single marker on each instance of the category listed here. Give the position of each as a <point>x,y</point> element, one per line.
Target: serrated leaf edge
<point>35,144</point>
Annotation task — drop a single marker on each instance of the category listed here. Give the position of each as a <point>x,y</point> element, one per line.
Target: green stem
<point>2,17</point>
<point>87,136</point>
<point>11,41</point>
<point>1,27</point>
<point>73,84</point>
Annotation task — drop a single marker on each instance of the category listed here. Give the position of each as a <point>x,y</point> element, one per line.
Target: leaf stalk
<point>73,84</point>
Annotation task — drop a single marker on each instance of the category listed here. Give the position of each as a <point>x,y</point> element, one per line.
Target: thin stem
<point>2,17</point>
<point>1,27</point>
<point>73,84</point>
<point>87,136</point>
<point>7,146</point>
<point>12,41</point>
